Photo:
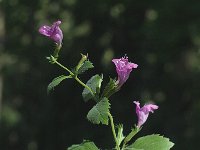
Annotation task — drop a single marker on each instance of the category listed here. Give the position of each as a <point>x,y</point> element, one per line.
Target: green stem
<point>113,131</point>
<point>71,73</point>
<point>57,50</point>
<point>130,136</point>
<point>84,85</point>
<point>75,77</point>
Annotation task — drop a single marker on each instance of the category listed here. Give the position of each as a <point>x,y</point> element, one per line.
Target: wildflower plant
<point>100,112</point>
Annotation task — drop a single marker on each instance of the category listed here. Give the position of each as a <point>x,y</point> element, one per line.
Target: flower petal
<point>123,69</point>
<point>53,32</point>
<point>45,30</point>
<point>143,112</point>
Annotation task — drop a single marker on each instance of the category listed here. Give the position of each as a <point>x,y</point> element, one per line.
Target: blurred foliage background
<point>162,37</point>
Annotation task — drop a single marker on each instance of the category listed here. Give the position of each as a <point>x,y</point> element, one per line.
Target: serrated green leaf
<point>56,81</point>
<point>86,145</point>
<point>95,84</point>
<point>81,62</point>
<point>99,113</point>
<point>120,136</point>
<point>110,88</point>
<point>85,66</point>
<point>152,142</point>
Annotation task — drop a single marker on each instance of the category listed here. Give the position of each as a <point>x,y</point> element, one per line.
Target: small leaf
<point>81,62</point>
<point>85,66</point>
<point>110,88</point>
<point>99,113</point>
<point>86,145</point>
<point>95,84</point>
<point>56,81</point>
<point>152,142</point>
<point>120,136</point>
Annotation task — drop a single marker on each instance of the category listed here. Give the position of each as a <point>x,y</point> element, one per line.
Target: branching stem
<point>59,64</point>
<point>84,85</point>
<point>75,77</point>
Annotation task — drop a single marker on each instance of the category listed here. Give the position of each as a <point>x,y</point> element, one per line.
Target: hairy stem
<point>130,136</point>
<point>59,64</point>
<point>84,85</point>
<point>113,131</point>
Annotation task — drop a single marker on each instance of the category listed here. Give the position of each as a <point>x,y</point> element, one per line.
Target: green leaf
<point>110,88</point>
<point>95,84</point>
<point>99,113</point>
<point>129,148</point>
<point>86,145</point>
<point>81,62</point>
<point>120,136</point>
<point>85,66</point>
<point>56,81</point>
<point>152,142</point>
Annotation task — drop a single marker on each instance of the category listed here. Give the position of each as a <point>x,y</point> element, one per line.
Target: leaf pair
<point>149,142</point>
<point>99,113</point>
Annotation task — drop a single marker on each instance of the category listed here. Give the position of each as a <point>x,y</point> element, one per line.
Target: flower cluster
<point>100,113</point>
<point>123,69</point>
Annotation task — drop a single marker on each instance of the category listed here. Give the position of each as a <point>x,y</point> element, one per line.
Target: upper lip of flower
<point>143,112</point>
<point>54,32</point>
<point>123,68</point>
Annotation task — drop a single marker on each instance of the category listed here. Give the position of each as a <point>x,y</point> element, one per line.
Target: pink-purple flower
<point>53,32</point>
<point>143,112</point>
<point>123,68</point>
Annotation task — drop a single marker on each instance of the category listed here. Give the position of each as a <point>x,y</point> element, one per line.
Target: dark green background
<point>161,36</point>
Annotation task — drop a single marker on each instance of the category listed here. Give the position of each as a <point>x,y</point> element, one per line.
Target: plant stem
<point>75,77</point>
<point>84,85</point>
<point>59,64</point>
<point>130,136</point>
<point>113,131</point>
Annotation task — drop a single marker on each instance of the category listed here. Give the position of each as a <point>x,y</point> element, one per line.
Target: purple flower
<point>53,32</point>
<point>143,113</point>
<point>123,68</point>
